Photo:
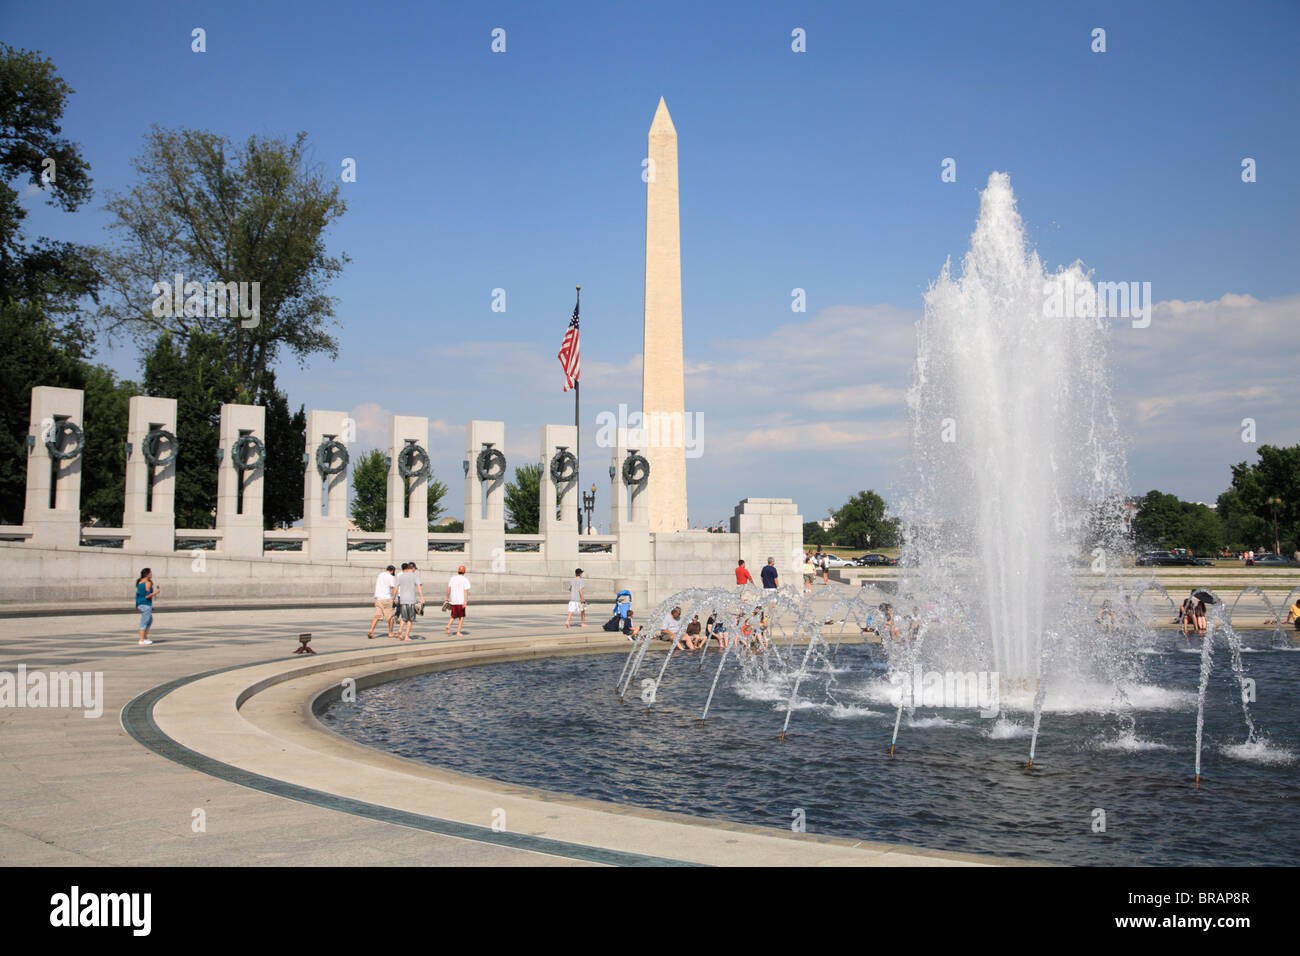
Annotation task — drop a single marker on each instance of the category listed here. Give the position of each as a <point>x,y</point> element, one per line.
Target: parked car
<point>1166,559</point>
<point>874,561</point>
<point>835,561</point>
<point>1274,561</point>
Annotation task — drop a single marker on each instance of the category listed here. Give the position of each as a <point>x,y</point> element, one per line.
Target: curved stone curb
<point>254,725</point>
<point>138,721</point>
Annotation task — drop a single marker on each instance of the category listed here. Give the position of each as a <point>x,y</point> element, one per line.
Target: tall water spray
<point>1017,464</point>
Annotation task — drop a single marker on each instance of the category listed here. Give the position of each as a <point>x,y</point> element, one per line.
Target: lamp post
<point>1275,503</point>
<point>588,503</point>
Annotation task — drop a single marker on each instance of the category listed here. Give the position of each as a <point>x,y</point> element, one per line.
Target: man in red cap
<point>458,598</point>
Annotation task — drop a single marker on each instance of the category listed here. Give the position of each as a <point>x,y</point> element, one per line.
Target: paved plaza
<point>83,791</point>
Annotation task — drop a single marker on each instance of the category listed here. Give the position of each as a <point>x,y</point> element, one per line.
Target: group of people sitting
<point>749,630</point>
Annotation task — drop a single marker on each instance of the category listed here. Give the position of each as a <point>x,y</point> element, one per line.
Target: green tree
<point>1246,507</point>
<point>53,276</point>
<point>105,416</point>
<point>42,282</point>
<point>1163,521</point>
<point>815,534</point>
<point>192,371</point>
<point>523,499</point>
<point>1158,521</point>
<point>1201,530</point>
<point>211,212</point>
<point>370,491</point>
<point>286,438</point>
<point>437,492</point>
<point>30,354</point>
<point>862,522</point>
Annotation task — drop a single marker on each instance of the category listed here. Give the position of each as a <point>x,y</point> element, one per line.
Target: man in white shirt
<point>672,626</point>
<point>458,598</point>
<point>385,591</point>
<point>577,602</point>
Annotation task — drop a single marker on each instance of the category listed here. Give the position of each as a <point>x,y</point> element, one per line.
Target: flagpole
<point>577,483</point>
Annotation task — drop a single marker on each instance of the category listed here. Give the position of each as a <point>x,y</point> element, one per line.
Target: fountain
<point>1017,462</point>
<point>1011,571</point>
<point>1017,471</point>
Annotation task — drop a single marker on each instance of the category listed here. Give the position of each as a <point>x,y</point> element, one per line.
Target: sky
<point>817,170</point>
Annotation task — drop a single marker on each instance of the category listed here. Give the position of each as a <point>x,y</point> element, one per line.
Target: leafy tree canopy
<point>862,522</point>
<point>212,212</point>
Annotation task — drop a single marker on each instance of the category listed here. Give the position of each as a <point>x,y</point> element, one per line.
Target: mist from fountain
<point>1017,464</point>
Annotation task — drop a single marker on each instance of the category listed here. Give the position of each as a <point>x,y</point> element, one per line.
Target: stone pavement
<point>78,791</point>
<point>81,791</point>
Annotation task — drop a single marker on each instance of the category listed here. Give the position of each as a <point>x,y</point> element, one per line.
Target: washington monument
<point>663,383</point>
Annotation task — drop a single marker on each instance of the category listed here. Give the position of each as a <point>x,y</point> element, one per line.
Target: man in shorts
<point>576,603</point>
<point>409,595</point>
<point>458,598</point>
<point>672,627</point>
<point>385,592</point>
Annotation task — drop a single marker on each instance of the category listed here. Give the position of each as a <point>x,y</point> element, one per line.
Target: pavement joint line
<point>138,721</point>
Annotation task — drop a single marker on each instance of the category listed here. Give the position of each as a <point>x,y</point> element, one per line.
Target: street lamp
<point>1275,503</point>
<point>588,503</point>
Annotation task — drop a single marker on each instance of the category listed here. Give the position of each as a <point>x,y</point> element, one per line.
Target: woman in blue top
<point>145,591</point>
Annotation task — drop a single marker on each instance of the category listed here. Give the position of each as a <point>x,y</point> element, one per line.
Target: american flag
<point>569,355</point>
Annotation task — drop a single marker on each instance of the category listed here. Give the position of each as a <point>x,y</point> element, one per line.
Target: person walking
<point>577,603</point>
<point>385,592</point>
<point>410,594</point>
<point>145,592</point>
<point>458,598</point>
<point>809,572</point>
<point>825,565</point>
<point>769,575</point>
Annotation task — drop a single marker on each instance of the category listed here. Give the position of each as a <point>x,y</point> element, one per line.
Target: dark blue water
<point>954,784</point>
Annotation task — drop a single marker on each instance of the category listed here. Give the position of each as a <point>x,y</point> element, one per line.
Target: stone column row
<point>52,510</point>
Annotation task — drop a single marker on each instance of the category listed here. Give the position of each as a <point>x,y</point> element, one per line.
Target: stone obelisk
<point>663,383</point>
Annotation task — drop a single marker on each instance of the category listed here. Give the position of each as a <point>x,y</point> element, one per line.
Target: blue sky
<point>816,170</point>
